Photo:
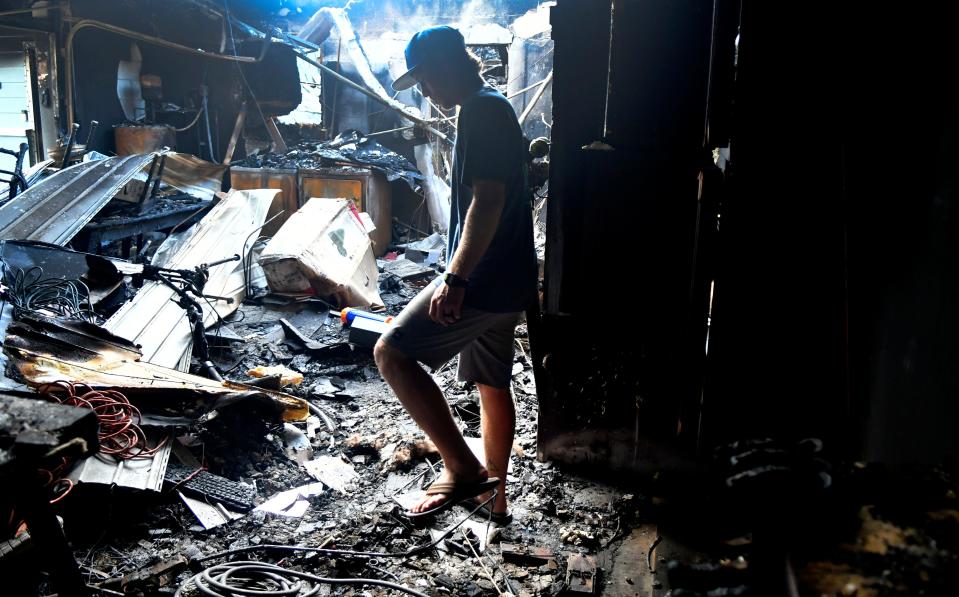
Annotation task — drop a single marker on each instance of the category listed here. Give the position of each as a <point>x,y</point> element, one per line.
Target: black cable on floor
<point>30,293</point>
<point>283,586</point>
<point>257,578</point>
<point>273,581</point>
<point>347,552</point>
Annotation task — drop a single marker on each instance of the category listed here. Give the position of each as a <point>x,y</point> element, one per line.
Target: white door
<point>14,105</point>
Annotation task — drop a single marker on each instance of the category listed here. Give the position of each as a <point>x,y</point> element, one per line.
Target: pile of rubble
<point>349,147</point>
<point>338,490</point>
<point>230,410</point>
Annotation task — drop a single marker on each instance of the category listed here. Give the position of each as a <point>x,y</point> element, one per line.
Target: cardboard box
<point>323,250</point>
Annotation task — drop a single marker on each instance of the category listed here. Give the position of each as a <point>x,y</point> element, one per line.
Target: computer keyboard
<point>233,495</point>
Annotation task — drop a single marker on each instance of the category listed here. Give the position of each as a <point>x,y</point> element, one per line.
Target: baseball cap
<point>425,47</point>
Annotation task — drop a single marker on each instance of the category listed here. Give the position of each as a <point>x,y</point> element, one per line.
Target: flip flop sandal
<point>485,512</point>
<point>457,491</point>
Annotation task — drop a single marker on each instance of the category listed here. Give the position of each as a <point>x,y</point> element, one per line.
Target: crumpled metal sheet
<point>144,473</point>
<point>44,351</point>
<point>160,326</point>
<point>55,209</point>
<point>192,175</point>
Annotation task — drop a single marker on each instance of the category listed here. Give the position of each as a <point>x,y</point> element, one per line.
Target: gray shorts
<point>483,340</point>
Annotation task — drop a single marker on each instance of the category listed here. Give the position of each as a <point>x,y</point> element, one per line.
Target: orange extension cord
<point>120,434</point>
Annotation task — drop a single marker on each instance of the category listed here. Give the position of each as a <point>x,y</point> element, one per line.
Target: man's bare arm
<point>482,220</point>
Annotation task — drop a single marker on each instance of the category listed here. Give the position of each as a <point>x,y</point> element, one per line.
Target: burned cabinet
<point>286,201</point>
<point>367,188</point>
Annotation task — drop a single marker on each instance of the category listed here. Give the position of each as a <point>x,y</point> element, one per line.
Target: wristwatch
<point>454,281</point>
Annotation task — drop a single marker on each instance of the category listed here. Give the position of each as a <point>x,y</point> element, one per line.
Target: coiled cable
<point>29,293</point>
<point>120,434</point>
<point>221,573</point>
<point>257,578</point>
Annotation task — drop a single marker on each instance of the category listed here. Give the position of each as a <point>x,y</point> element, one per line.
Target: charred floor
<point>735,377</point>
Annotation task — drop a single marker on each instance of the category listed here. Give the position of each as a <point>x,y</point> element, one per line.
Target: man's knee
<point>389,358</point>
<point>382,354</point>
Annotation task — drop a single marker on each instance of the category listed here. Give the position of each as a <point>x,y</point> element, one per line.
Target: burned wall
<point>777,344</point>
<point>97,55</point>
<point>621,230</point>
<point>833,300</point>
<point>901,158</point>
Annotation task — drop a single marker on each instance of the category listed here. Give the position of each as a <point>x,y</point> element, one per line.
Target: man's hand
<point>446,304</point>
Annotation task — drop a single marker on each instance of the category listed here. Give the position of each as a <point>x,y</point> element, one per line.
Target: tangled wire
<point>120,434</point>
<point>258,578</point>
<point>29,293</point>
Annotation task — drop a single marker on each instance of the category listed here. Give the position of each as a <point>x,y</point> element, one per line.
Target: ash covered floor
<point>871,532</point>
<point>380,450</point>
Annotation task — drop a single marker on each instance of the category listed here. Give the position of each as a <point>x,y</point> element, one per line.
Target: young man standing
<point>490,278</point>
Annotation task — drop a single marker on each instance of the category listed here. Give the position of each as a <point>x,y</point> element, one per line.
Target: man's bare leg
<point>498,416</point>
<point>423,399</point>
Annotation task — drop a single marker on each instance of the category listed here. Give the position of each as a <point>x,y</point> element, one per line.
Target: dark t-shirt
<point>489,146</point>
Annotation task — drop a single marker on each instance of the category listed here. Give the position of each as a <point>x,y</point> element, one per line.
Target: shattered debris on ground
<point>302,445</point>
<point>342,494</point>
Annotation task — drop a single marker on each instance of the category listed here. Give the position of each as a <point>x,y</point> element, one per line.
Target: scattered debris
<point>406,270</point>
<point>298,341</point>
<point>209,515</point>
<point>329,388</point>
<point>581,574</point>
<point>292,502</point>
<point>332,472</point>
<point>408,452</point>
<point>348,147</point>
<point>287,376</point>
<point>577,536</point>
<point>523,555</point>
<point>149,578</point>
<point>426,252</point>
